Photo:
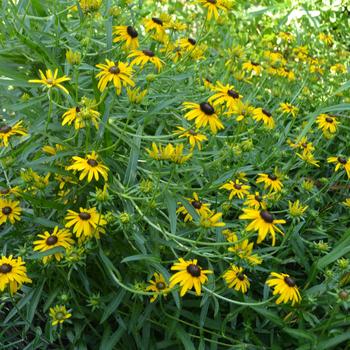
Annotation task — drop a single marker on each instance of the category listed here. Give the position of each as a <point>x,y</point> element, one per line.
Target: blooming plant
<point>174,174</point>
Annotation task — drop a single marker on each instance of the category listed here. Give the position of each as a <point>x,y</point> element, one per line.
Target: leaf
<point>112,306</point>
<point>171,204</point>
<point>40,255</point>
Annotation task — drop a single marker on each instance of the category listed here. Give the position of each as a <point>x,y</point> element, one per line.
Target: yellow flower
<point>296,209</point>
<point>237,189</point>
<point>161,153</point>
<point>158,286</point>
<point>263,222</point>
<point>136,95</point>
<point>308,157</point>
<point>80,115</point>
<point>338,68</point>
<point>285,287</point>
<point>327,123</point>
<point>194,137</point>
<point>189,275</point>
<point>303,144</point>
<point>86,224</point>
<point>270,181</point>
<point>242,110</point>
<point>145,56</point>
<point>225,94</point>
<point>58,238</point>
<point>253,67</point>
<point>200,207</point>
<point>157,26</point>
<point>7,131</point>
<point>263,115</point>
<point>59,314</point>
<point>13,273</point>
<point>51,150</point>
<point>242,248</point>
<point>178,156</point>
<point>347,202</point>
<point>9,211</point>
<point>289,108</point>
<point>50,80</point>
<point>341,163</point>
<point>285,36</point>
<point>210,219</point>
<point>204,114</point>
<point>128,35</point>
<point>7,192</point>
<point>255,201</point>
<point>90,167</point>
<point>213,7</point>
<point>117,72</point>
<point>235,277</point>
<point>326,38</point>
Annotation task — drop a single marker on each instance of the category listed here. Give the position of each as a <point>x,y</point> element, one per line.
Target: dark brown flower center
<point>233,94</point>
<point>266,216</point>
<point>85,216</point>
<point>194,270</point>
<point>160,285</point>
<point>207,108</point>
<point>329,120</point>
<point>157,20</point>
<point>258,198</point>
<point>192,132</point>
<point>5,129</point>
<point>132,32</point>
<point>254,63</point>
<point>196,204</point>
<point>5,268</point>
<point>240,276</point>
<point>51,240</point>
<point>290,281</point>
<point>114,70</point>
<point>192,41</point>
<point>208,80</point>
<point>92,162</point>
<point>6,210</point>
<point>273,177</point>
<point>266,113</point>
<point>4,190</point>
<point>77,109</point>
<point>148,53</point>
<point>237,186</point>
<point>212,1</point>
<point>304,145</point>
<point>342,160</point>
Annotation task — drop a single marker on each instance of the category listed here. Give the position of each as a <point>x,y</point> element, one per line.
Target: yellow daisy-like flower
<point>225,94</point>
<point>158,285</point>
<point>347,202</point>
<point>58,238</point>
<point>194,137</point>
<point>50,80</point>
<point>263,115</point>
<point>270,181</point>
<point>128,35</point>
<point>327,123</point>
<point>253,67</point>
<point>136,95</point>
<point>59,314</point>
<point>204,114</point>
<point>308,157</point>
<point>341,163</point>
<point>190,275</point>
<point>200,207</point>
<point>289,108</point>
<point>213,7</point>
<point>90,167</point>
<point>285,287</point>
<point>117,72</point>
<point>237,189</point>
<point>7,131</point>
<point>235,278</point>
<point>158,152</point>
<point>145,56</point>
<point>9,211</point>
<point>178,156</point>
<point>210,219</point>
<point>86,224</point>
<point>256,201</point>
<point>80,116</point>
<point>187,44</point>
<point>242,248</point>
<point>303,144</point>
<point>6,192</point>
<point>296,209</point>
<point>241,110</point>
<point>263,222</point>
<point>157,26</point>
<point>13,273</point>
